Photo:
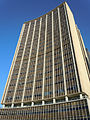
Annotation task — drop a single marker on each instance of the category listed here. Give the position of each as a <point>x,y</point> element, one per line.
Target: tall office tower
<point>49,77</point>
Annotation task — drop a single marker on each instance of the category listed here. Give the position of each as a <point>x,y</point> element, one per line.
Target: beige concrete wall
<point>84,80</point>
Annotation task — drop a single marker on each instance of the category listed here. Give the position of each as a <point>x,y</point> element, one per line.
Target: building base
<point>71,110</point>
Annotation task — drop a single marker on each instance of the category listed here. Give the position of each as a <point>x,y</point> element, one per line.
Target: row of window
<point>73,110</point>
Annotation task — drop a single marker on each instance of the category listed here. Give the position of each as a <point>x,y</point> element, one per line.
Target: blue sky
<point>13,13</point>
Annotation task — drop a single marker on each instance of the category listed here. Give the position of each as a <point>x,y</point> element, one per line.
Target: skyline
<point>10,29</point>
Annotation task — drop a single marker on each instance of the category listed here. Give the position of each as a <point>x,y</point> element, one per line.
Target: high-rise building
<point>49,77</point>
